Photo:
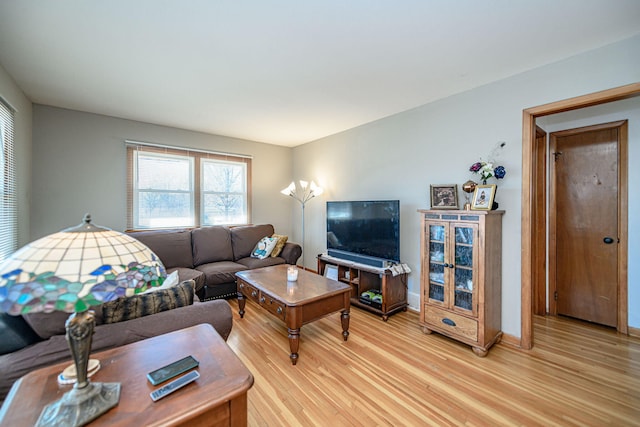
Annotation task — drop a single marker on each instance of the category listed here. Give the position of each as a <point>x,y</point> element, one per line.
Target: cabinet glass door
<point>436,262</point>
<point>463,275</point>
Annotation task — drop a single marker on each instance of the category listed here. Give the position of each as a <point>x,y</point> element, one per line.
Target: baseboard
<point>511,341</point>
<point>634,332</point>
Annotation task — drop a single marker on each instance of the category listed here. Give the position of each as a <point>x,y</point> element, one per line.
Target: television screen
<point>370,228</point>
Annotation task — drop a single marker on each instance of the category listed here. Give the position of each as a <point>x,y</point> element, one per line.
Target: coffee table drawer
<point>273,306</point>
<point>249,291</point>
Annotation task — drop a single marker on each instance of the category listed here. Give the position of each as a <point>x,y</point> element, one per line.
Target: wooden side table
<point>217,398</point>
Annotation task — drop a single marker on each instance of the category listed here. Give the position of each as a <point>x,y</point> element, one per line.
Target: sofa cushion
<point>189,274</point>
<point>244,239</point>
<point>127,308</point>
<point>251,263</point>
<point>173,247</point>
<point>211,244</point>
<point>47,324</point>
<point>220,272</point>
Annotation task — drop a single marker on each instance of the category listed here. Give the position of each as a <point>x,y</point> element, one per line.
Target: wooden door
<point>584,165</point>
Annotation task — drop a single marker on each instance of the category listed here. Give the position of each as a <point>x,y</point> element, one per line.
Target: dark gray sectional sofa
<point>212,255</point>
<point>207,256</point>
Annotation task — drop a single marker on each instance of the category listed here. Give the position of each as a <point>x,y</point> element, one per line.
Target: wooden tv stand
<point>363,278</point>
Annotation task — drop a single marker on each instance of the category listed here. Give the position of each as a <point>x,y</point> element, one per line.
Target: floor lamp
<point>303,195</point>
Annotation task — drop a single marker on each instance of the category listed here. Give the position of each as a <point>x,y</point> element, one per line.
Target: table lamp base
<point>79,406</point>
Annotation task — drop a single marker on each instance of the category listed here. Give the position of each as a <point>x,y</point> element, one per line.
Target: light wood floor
<point>391,374</point>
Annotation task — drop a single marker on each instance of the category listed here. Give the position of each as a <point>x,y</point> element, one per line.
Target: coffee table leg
<point>345,324</point>
<point>241,303</point>
<point>294,343</point>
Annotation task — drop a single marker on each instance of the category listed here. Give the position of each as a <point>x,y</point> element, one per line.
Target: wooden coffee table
<point>217,398</point>
<point>309,298</point>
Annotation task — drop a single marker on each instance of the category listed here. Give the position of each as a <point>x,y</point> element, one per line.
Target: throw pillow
<point>264,247</point>
<point>140,305</point>
<point>169,282</point>
<point>282,239</point>
<point>47,325</point>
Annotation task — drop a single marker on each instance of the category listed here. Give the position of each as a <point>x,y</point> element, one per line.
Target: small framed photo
<point>444,196</point>
<point>483,197</point>
<point>331,272</point>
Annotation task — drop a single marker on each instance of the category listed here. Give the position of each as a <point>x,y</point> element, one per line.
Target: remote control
<point>172,370</point>
<point>174,385</point>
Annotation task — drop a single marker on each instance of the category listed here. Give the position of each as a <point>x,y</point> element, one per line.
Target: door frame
<point>532,248</point>
<point>540,226</point>
<point>622,196</point>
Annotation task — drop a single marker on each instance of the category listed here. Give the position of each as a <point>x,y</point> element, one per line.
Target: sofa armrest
<point>291,252</point>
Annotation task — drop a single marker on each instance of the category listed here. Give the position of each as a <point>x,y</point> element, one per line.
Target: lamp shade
<point>305,193</point>
<point>76,268</point>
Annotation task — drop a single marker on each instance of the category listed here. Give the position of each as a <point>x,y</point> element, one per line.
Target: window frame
<point>9,184</point>
<point>197,157</point>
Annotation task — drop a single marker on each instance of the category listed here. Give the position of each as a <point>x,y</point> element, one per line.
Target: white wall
<point>12,94</point>
<point>628,109</point>
<point>79,166</point>
<point>400,156</point>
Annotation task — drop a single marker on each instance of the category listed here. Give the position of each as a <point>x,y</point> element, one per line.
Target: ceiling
<point>286,72</point>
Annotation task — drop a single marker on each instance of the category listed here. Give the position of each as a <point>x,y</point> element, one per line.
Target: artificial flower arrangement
<point>486,169</point>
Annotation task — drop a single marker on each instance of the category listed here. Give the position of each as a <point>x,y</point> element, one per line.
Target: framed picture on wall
<point>483,197</point>
<point>444,196</point>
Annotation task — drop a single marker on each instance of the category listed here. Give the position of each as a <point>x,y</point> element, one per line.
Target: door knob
<point>608,240</point>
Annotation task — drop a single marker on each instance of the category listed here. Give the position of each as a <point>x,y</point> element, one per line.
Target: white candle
<point>292,273</point>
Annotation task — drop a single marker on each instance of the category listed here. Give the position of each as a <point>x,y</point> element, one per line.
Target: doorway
<point>585,165</point>
<point>532,247</point>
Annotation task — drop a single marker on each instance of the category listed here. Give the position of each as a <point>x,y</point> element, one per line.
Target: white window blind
<point>8,185</point>
<point>178,187</point>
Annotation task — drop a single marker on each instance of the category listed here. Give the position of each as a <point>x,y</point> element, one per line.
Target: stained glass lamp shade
<point>71,271</point>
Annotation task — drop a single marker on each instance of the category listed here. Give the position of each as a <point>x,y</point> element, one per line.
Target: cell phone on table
<point>172,370</point>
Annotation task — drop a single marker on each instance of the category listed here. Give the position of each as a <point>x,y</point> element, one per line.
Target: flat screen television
<point>365,229</point>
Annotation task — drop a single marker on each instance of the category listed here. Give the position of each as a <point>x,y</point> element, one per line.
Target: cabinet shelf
<point>363,278</point>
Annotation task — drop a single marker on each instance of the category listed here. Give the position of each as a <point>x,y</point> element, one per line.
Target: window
<point>164,191</point>
<point>174,187</point>
<point>9,199</point>
<point>224,189</point>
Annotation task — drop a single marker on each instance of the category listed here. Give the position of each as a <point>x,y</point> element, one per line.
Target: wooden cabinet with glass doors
<point>461,281</point>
